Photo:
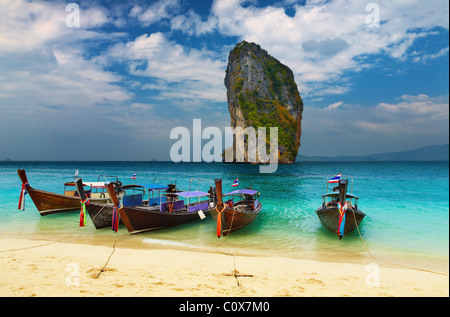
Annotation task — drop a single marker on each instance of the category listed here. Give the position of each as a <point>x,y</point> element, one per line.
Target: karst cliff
<point>261,92</point>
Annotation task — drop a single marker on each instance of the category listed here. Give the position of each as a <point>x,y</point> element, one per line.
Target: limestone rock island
<point>261,92</point>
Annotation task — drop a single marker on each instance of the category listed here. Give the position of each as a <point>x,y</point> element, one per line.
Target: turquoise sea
<point>407,207</point>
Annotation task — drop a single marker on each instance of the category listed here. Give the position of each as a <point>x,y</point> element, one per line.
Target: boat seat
<point>70,193</point>
<point>99,195</point>
<point>155,201</point>
<point>132,200</point>
<point>196,208</point>
<point>177,205</point>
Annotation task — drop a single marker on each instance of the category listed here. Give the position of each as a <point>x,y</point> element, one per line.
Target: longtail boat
<point>233,215</point>
<point>101,214</point>
<point>49,203</point>
<point>339,212</point>
<point>171,211</point>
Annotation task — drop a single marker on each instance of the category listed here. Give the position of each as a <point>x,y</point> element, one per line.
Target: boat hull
<point>233,220</point>
<point>50,203</point>
<point>329,217</point>
<point>101,214</point>
<point>141,219</point>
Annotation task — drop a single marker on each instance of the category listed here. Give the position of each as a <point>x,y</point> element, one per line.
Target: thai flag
<point>235,183</point>
<point>134,176</point>
<point>335,179</point>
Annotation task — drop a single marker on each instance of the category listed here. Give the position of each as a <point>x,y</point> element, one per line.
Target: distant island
<point>428,153</point>
<point>431,153</point>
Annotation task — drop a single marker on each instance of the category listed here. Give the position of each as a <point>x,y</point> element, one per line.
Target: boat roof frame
<point>149,187</point>
<point>245,191</point>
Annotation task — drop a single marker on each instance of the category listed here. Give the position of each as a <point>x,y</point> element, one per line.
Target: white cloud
<point>42,60</point>
<point>65,80</point>
<point>412,122</point>
<point>179,72</point>
<point>193,24</point>
<point>325,38</point>
<point>423,57</point>
<point>155,12</point>
<point>32,25</point>
<point>52,95</point>
<point>50,77</point>
<point>334,105</point>
<point>421,108</point>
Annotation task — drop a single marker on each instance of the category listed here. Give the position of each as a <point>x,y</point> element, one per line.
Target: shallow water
<point>406,203</point>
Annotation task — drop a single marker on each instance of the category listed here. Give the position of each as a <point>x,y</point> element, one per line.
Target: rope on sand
<point>37,246</point>
<point>107,261</point>
<point>235,272</point>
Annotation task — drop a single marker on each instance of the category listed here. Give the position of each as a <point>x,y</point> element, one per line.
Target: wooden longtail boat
<point>339,210</point>
<point>50,203</point>
<point>230,215</point>
<point>101,213</point>
<point>174,211</point>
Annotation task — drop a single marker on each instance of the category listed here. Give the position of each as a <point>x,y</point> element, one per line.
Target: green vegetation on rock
<point>262,92</point>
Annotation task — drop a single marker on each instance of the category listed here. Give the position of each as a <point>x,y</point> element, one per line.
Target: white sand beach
<point>47,268</point>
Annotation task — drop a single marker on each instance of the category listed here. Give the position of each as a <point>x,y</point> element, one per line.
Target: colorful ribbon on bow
<point>341,225</point>
<point>23,192</point>
<point>219,221</point>
<point>83,212</point>
<point>115,218</point>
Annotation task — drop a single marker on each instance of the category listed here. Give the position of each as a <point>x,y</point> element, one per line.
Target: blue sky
<point>114,87</point>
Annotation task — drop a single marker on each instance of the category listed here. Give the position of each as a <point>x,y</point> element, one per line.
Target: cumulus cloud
<point>324,39</point>
<point>155,12</point>
<point>49,86</point>
<point>53,75</point>
<point>33,25</point>
<point>413,121</point>
<point>43,60</point>
<point>193,24</point>
<point>334,105</point>
<point>424,57</point>
<point>175,70</point>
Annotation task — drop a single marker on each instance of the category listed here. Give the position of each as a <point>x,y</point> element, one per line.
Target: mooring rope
<point>59,240</point>
<point>107,261</point>
<point>99,211</point>
<point>229,229</point>
<point>235,272</point>
<point>37,246</point>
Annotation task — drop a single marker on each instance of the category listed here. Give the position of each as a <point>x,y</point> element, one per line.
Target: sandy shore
<point>44,268</point>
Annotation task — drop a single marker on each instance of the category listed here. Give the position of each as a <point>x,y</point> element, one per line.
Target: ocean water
<point>406,203</point>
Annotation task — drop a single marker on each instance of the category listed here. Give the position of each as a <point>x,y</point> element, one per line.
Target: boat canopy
<point>332,194</point>
<point>242,191</point>
<point>149,187</point>
<point>190,194</point>
<point>94,184</point>
<point>88,184</point>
